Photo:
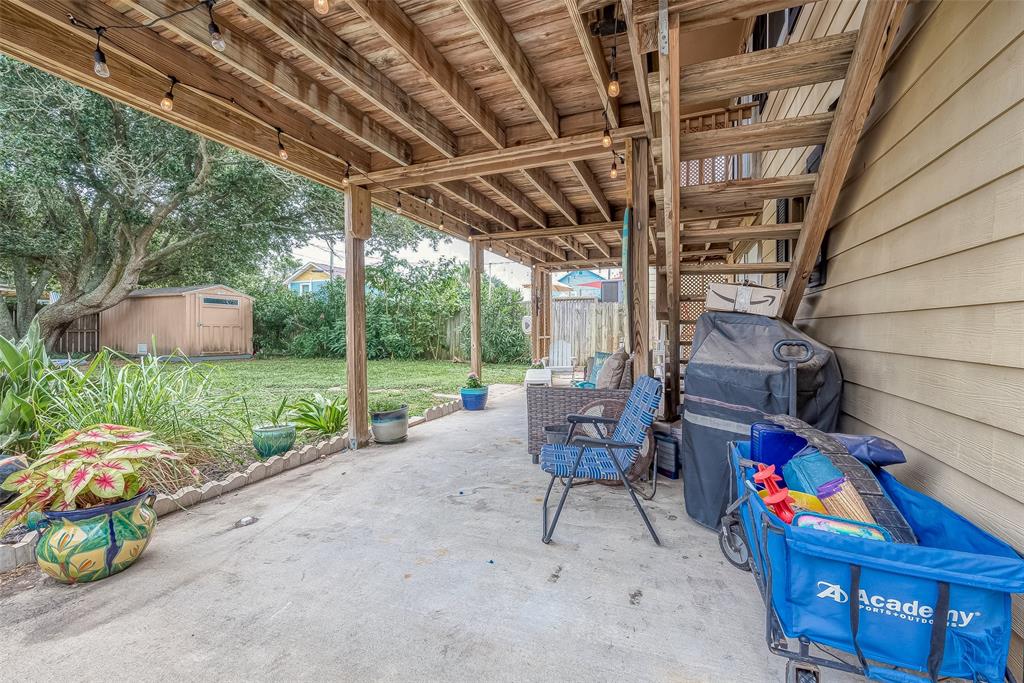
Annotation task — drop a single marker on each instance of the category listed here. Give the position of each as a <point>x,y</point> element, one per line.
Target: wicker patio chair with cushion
<point>585,457</point>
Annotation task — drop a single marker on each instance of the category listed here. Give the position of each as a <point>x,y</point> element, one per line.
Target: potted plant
<point>277,435</point>
<point>90,496</point>
<point>389,420</point>
<point>474,393</point>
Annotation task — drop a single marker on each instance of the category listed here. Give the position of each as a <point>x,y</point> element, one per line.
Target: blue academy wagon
<point>941,607</point>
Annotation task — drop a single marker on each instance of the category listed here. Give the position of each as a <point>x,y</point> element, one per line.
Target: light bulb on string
<point>167,103</point>
<point>216,39</point>
<point>281,151</point>
<point>322,6</point>
<point>614,172</point>
<point>398,205</point>
<point>345,180</point>
<point>99,60</point>
<point>613,85</point>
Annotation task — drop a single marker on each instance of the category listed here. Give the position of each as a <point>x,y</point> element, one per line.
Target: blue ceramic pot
<point>474,399</point>
<point>391,426</point>
<point>269,440</point>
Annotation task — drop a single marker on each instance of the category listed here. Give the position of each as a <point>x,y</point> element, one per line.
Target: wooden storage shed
<point>204,320</point>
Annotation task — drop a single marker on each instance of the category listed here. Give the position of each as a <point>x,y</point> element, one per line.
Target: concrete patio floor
<point>415,562</point>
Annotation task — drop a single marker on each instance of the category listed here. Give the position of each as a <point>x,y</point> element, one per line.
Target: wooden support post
<point>476,266</point>
<point>535,313</point>
<point>668,77</point>
<point>638,200</point>
<point>545,303</point>
<point>357,231</point>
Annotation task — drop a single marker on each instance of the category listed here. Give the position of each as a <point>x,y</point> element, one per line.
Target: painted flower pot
<point>93,543</point>
<point>269,440</point>
<point>391,426</point>
<point>474,399</point>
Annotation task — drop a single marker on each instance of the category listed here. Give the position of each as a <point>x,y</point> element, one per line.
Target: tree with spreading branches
<point>98,199</point>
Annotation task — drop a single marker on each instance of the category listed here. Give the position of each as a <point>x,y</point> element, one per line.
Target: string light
<point>614,172</point>
<point>345,180</point>
<point>281,151</point>
<point>613,85</point>
<point>322,6</point>
<point>440,226</point>
<point>398,205</point>
<point>99,60</point>
<point>167,103</point>
<point>216,39</point>
<point>606,138</point>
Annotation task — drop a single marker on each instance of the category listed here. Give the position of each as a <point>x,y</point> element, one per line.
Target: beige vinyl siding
<point>924,296</point>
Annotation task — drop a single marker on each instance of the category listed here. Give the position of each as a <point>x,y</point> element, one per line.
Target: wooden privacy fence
<point>83,336</point>
<point>581,327</point>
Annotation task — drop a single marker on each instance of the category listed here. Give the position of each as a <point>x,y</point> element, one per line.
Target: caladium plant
<point>102,464</point>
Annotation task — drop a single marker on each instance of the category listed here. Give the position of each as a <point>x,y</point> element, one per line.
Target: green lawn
<point>265,381</point>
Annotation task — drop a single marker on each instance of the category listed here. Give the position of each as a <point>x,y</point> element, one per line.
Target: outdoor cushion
<point>611,372</point>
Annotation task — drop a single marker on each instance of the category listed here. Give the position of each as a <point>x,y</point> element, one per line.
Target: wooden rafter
<point>531,155</point>
<point>639,61</point>
<point>876,36</point>
<point>592,187</point>
<point>699,14</point>
<point>593,53</point>
<point>585,229</point>
<point>547,187</point>
<point>512,194</point>
<point>738,197</point>
<point>806,62</point>
<point>296,87</point>
<point>803,131</point>
<point>783,231</point>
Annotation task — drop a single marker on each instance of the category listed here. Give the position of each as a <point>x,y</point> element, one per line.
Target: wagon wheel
<point>734,545</point>
<point>610,407</point>
<point>799,672</point>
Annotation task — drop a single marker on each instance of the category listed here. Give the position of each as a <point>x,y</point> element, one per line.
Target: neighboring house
<point>312,277</point>
<point>581,283</point>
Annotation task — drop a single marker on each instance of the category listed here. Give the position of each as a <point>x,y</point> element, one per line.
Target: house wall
<point>924,296</point>
<point>316,278</point>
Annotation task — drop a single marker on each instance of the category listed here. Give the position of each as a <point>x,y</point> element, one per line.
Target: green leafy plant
<point>473,381</point>
<point>280,414</point>
<point>384,405</point>
<point>321,415</point>
<point>96,466</point>
<point>24,370</point>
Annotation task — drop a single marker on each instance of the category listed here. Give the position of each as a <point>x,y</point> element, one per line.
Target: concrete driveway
<point>416,562</point>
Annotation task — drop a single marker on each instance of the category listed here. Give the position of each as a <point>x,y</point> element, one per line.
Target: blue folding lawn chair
<point>584,457</point>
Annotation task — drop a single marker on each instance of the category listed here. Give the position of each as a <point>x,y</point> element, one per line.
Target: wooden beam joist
<point>819,60</point>
<point>532,155</point>
<point>511,193</point>
<point>784,231</point>
<point>739,197</point>
<point>592,187</point>
<point>639,62</point>
<point>712,268</point>
<point>297,88</point>
<point>804,131</point>
<point>699,14</point>
<point>547,187</point>
<point>877,32</point>
<point>585,229</point>
<point>593,53</point>
<point>304,32</point>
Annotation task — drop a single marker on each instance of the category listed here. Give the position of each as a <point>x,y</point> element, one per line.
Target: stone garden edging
<point>24,551</point>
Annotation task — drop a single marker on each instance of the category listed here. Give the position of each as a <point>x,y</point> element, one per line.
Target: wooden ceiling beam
<point>468,195</point>
<point>532,155</point>
<point>593,53</point>
<point>803,131</point>
<point>257,62</point>
<point>699,14</point>
<point>818,60</point>
<point>392,23</point>
<point>639,61</point>
<point>739,197</point>
<point>783,231</point>
<point>599,244</point>
<point>510,192</point>
<point>586,229</point>
<point>304,32</point>
<point>209,84</point>
<point>487,19</point>
<point>547,187</point>
<point>592,187</point>
<point>876,36</point>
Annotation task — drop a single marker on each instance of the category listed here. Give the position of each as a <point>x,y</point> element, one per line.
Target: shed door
<point>220,324</point>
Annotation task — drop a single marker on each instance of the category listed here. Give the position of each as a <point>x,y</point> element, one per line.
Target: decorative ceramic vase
<point>93,543</point>
<point>391,426</point>
<point>474,399</point>
<point>271,440</point>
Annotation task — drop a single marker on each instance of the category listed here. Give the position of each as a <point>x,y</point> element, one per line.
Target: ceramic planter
<point>474,399</point>
<point>269,440</point>
<point>93,543</point>
<point>391,426</point>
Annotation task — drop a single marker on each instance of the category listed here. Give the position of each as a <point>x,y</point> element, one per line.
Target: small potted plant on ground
<point>474,393</point>
<point>90,496</point>
<point>277,435</point>
<point>389,420</point>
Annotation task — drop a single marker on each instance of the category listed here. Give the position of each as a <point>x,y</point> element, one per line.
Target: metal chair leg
<point>632,494</point>
<point>547,495</point>
<point>561,501</point>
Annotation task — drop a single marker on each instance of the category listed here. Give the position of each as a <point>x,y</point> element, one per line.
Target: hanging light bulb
<point>613,85</point>
<point>322,6</point>
<point>167,103</point>
<point>345,180</point>
<point>99,60</point>
<point>281,151</point>
<point>614,172</point>
<point>398,206</point>
<point>216,39</point>
<point>606,139</point>
<point>440,226</point>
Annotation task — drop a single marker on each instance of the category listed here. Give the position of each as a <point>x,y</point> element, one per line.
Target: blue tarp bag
<point>941,607</point>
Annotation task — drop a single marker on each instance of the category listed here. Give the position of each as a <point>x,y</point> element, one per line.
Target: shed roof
<point>172,291</point>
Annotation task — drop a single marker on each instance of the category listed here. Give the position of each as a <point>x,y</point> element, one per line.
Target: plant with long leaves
<point>87,468</point>
<point>24,370</point>
<point>320,414</point>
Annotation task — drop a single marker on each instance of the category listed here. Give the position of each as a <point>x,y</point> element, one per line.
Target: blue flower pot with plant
<point>474,394</point>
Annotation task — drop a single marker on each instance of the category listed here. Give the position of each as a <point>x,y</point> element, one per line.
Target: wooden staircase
<point>706,227</point>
